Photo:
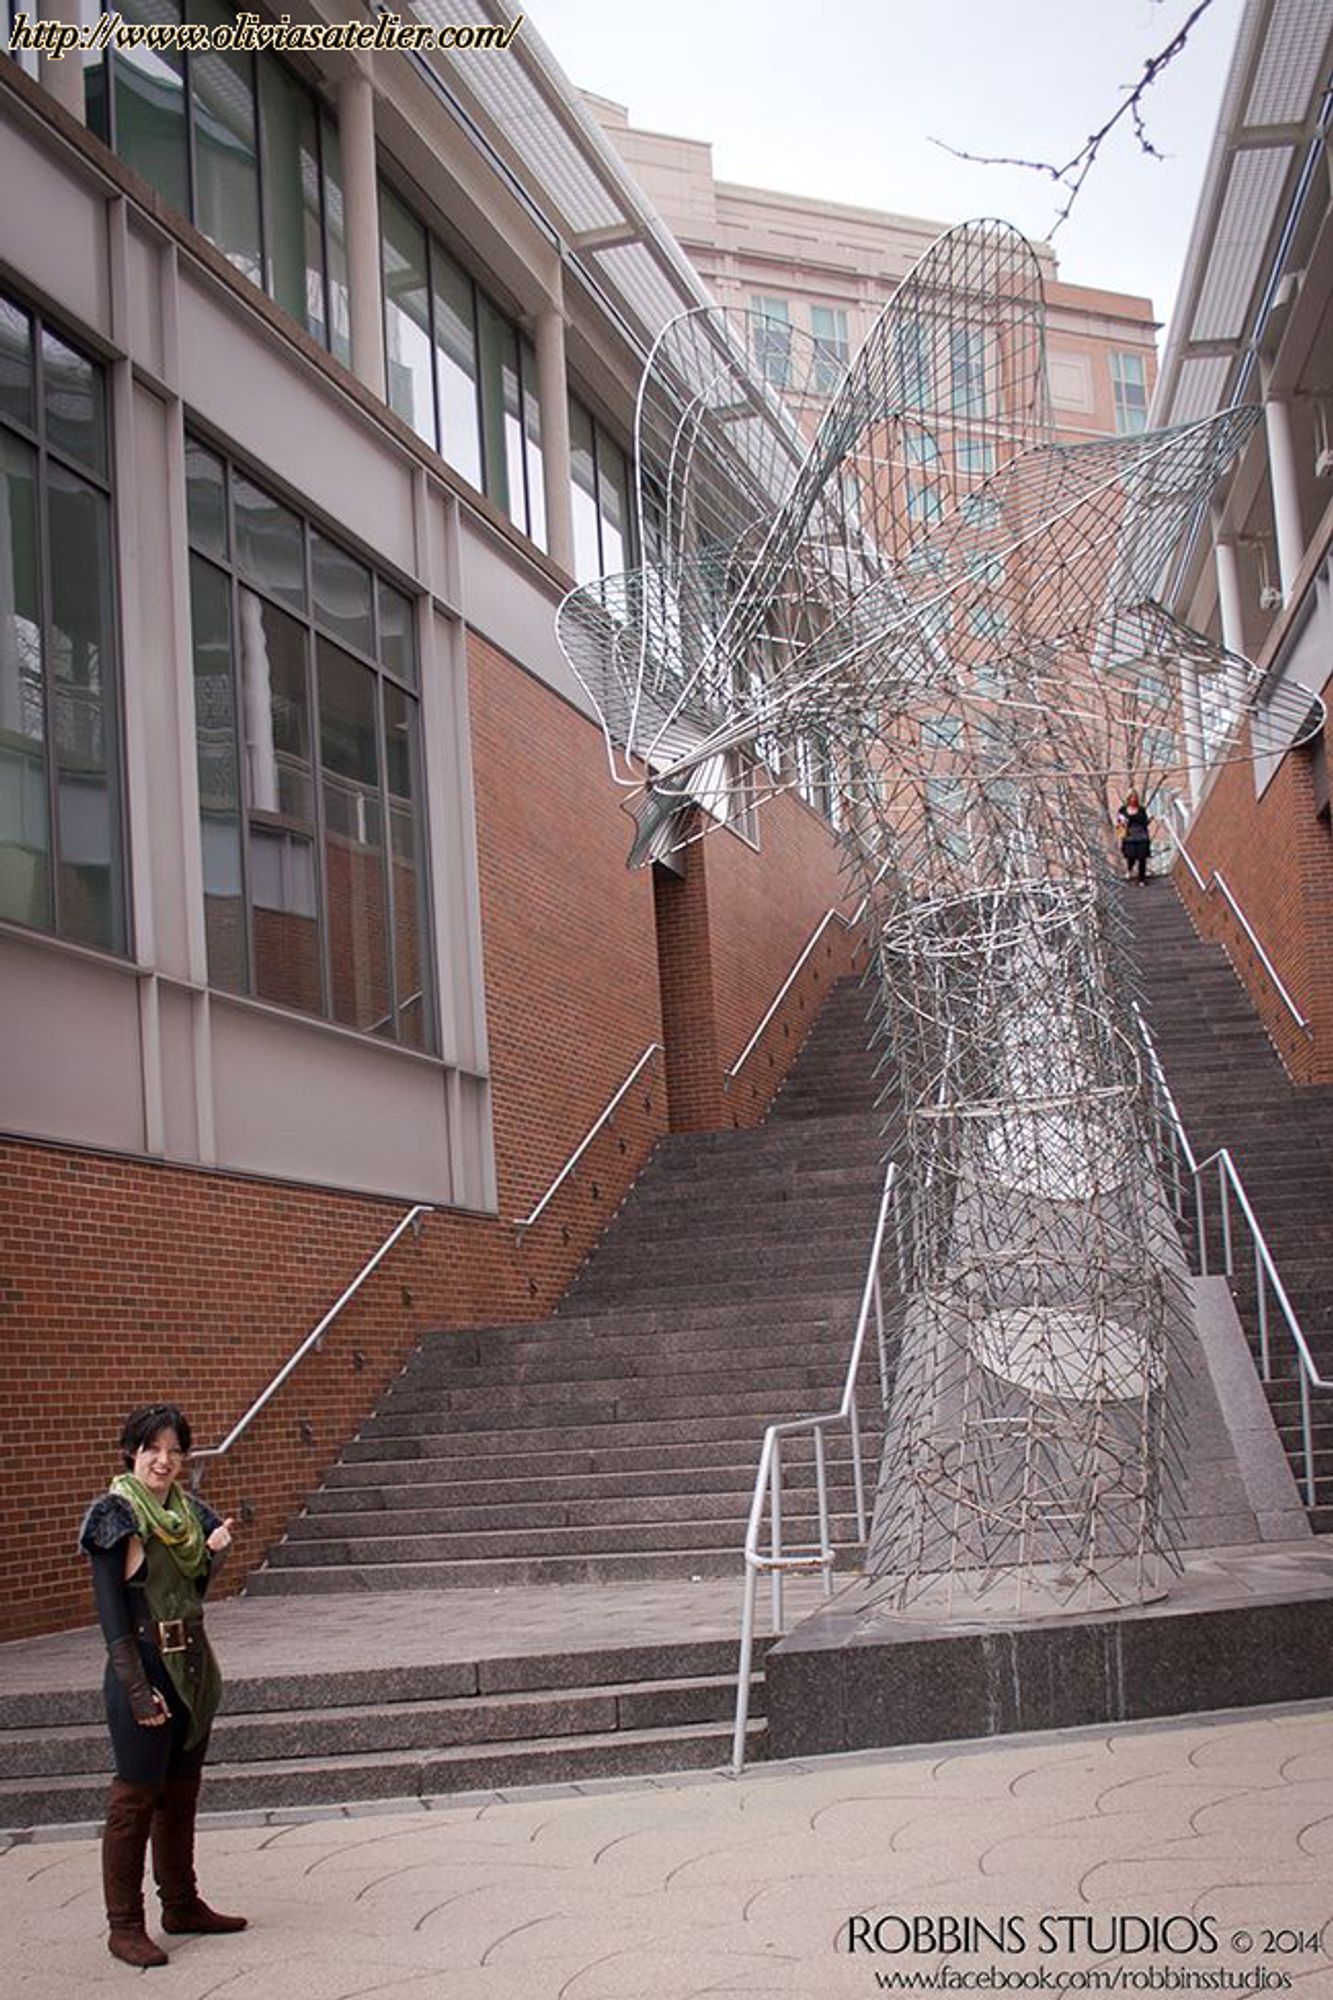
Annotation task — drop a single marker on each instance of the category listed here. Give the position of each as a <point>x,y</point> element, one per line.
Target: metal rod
<point>1202,1223</point>
<point>1265,1361</point>
<point>775,1532</point>
<point>1225,1191</point>
<point>315,1335</point>
<point>743,1670</point>
<point>858,1470</point>
<point>829,916</point>
<point>821,1496</point>
<point>1307,1441</point>
<point>524,1222</point>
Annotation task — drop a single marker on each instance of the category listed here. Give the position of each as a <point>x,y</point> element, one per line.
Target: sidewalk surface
<point>673,1890</point>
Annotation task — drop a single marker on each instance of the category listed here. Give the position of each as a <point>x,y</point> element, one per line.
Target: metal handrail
<point>1265,1269</point>
<point>412,1221</point>
<point>829,917</point>
<point>1219,881</point>
<point>525,1222</point>
<point>768,1479</point>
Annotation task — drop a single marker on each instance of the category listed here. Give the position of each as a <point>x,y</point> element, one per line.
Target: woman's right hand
<point>151,1717</point>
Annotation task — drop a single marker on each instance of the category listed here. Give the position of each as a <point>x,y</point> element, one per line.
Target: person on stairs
<point>1135,839</point>
<point>153,1547</point>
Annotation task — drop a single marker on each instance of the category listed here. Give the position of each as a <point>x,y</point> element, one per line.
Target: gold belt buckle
<point>171,1635</point>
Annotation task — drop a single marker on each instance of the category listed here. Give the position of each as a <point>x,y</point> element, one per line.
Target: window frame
<point>230,569</point>
<point>36,440</point>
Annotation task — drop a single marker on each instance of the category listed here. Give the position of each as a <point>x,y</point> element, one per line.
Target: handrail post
<point>1225,1192</point>
<point>881,1346</point>
<point>1202,1223</point>
<point>775,1532</point>
<point>821,1496</point>
<point>744,1670</point>
<point>1265,1361</point>
<point>1307,1440</point>
<point>858,1471</point>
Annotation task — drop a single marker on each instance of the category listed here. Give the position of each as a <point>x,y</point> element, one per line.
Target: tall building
<point>1255,324</point>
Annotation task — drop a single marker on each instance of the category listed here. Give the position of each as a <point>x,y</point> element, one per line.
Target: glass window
<point>967,368</point>
<point>1129,386</point>
<point>974,457</point>
<point>771,334</point>
<point>828,324</point>
<point>583,483</point>
<point>224,118</point>
<point>941,732</point>
<point>603,537</point>
<point>456,366</point>
<point>60,840</point>
<point>502,438</point>
<point>310,795</point>
<point>915,365</point>
<point>209,128</point>
<point>532,445</point>
<point>407,343</point>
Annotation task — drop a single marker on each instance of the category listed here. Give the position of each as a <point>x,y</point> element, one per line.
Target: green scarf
<point>176,1525</point>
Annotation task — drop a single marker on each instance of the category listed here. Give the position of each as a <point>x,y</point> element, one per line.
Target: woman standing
<point>152,1548</point>
<point>1135,840</point>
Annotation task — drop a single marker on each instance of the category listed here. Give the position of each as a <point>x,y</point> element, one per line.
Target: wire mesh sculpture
<point>887,586</point>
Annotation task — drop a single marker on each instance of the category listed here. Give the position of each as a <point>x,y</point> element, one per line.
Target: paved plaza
<point>676,1889</point>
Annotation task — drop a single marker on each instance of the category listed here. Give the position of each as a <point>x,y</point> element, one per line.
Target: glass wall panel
<point>499,362</point>
<point>613,505</point>
<point>73,393</point>
<point>532,444</point>
<point>226,147</point>
<point>150,108</point>
<point>456,366</point>
<point>335,236</point>
<point>407,343</point>
<point>269,544</point>
<point>293,234</point>
<point>398,643</point>
<point>515,462</point>
<point>218,765</point>
<point>354,859</point>
<point>402,771</point>
<point>206,500</point>
<point>25,858</point>
<point>281,793</point>
<point>15,364</point>
<point>583,494</point>
<point>83,721</point>
<point>342,594</point>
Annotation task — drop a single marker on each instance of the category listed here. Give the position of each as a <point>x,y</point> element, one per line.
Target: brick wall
<point>1276,854</point>
<point>127,1281</point>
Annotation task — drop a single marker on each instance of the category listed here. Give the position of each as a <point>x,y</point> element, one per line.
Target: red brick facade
<point>127,1280</point>
<point>1276,855</point>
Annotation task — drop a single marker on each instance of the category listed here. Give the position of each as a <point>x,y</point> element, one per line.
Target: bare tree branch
<point>1075,170</point>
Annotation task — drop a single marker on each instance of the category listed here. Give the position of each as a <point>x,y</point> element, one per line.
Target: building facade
<point>317,385</point>
<point>1255,325</point>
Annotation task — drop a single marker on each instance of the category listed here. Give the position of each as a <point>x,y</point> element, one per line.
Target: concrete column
<point>1286,491</point>
<point>356,128</point>
<point>1228,595</point>
<point>64,79</point>
<point>553,393</point>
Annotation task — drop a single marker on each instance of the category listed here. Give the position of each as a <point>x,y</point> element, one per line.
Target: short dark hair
<point>142,1426</point>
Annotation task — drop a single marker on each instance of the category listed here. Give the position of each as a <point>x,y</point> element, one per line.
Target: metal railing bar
<point>412,1220</point>
<point>829,917</point>
<point>525,1222</point>
<point>1219,881</point>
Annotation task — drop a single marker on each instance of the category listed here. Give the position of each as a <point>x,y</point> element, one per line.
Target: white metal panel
<point>1291,67</point>
<point>1199,390</point>
<point>1254,188</point>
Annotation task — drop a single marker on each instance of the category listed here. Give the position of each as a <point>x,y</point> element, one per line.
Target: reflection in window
<point>307,737</point>
<point>60,841</point>
<point>209,129</point>
<point>828,324</point>
<point>600,480</point>
<point>771,336</point>
<point>1129,386</point>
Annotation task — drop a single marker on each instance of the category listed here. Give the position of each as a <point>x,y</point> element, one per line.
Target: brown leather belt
<point>169,1635</point>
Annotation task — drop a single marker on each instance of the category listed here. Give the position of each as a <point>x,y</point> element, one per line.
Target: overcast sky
<point>841,99</point>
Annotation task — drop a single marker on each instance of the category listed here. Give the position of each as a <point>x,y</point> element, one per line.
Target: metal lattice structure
<point>887,586</point>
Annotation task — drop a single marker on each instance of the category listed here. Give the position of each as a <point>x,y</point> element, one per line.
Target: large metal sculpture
<point>885,584</point>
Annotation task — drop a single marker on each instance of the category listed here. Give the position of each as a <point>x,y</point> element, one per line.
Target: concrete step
<point>364,1549</point>
<point>589,1567</point>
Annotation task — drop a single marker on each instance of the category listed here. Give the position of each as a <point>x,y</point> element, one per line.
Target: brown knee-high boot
<point>129,1812</point>
<point>183,1908</point>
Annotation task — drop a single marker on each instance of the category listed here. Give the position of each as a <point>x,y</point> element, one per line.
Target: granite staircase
<point>613,1443</point>
<point>1232,1090</point>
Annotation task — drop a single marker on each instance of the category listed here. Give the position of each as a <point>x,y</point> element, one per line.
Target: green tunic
<point>193,1672</point>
